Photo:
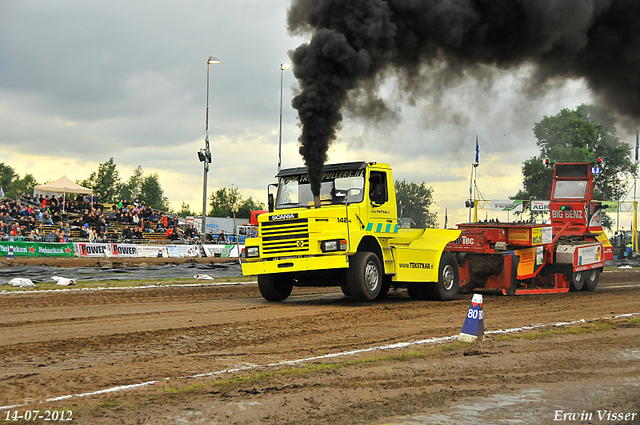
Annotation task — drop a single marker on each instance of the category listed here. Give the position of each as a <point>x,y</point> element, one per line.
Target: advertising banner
<point>37,249</point>
<point>105,250</point>
<point>50,249</point>
<point>506,205</point>
<point>149,251</point>
<point>123,250</point>
<point>539,206</point>
<point>91,249</point>
<point>182,251</point>
<point>222,250</point>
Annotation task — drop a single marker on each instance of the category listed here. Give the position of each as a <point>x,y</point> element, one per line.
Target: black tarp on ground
<point>169,271</point>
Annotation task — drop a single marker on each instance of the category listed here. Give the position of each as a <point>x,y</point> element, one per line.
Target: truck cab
<point>347,235</point>
<point>574,214</point>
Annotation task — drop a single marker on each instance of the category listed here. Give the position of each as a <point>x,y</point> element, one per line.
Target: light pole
<point>283,66</point>
<point>205,156</point>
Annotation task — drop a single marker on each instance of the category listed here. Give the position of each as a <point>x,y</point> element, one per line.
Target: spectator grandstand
<point>44,219</point>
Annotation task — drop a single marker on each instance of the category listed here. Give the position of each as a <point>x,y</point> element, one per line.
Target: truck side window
<point>378,184</point>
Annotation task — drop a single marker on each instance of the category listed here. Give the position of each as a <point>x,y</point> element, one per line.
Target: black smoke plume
<point>354,43</point>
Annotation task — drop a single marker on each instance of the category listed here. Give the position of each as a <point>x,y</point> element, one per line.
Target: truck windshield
<point>570,189</point>
<point>295,191</point>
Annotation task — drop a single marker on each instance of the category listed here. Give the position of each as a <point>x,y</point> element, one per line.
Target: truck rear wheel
<point>364,277</point>
<point>446,289</point>
<point>576,281</point>
<point>591,279</point>
<point>275,287</point>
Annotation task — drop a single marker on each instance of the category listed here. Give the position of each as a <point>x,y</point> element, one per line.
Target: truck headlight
<point>334,245</point>
<point>253,251</point>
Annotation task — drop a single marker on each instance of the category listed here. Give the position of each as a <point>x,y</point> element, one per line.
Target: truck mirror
<point>271,202</point>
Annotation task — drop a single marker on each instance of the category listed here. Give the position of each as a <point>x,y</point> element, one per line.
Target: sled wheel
<point>364,277</point>
<point>275,287</point>
<point>591,279</point>
<point>446,289</point>
<point>576,281</point>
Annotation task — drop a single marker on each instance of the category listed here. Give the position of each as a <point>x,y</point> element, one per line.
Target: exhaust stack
<point>316,201</point>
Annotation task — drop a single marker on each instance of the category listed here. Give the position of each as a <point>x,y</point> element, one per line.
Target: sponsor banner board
<point>222,250</point>
<point>588,255</point>
<point>511,205</point>
<point>123,250</point>
<point>539,206</point>
<point>541,235</point>
<point>105,250</point>
<point>609,206</point>
<point>149,251</point>
<point>182,251</point>
<point>91,249</point>
<point>37,249</point>
<point>527,261</point>
<point>49,249</point>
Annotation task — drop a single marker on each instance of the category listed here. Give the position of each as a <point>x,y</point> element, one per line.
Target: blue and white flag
<point>1,192</point>
<point>477,151</point>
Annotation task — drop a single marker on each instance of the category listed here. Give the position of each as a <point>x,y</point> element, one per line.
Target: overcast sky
<point>81,82</point>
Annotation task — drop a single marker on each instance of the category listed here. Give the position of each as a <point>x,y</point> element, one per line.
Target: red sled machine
<point>529,258</point>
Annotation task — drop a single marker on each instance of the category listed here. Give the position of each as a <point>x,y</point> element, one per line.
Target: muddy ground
<point>219,355</point>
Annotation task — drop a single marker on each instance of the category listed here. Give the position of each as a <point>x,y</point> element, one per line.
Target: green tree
<point>7,175</point>
<point>249,205</point>
<point>224,201</point>
<point>105,183</point>
<point>13,185</point>
<point>151,193</point>
<point>185,211</point>
<point>579,135</point>
<point>22,185</point>
<point>133,186</point>
<point>414,200</point>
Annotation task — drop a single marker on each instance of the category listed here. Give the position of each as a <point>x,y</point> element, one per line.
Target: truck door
<point>382,216</point>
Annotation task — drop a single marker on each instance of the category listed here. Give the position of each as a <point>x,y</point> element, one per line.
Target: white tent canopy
<point>62,185</point>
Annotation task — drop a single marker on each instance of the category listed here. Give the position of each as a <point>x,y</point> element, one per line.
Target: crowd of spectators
<point>29,218</point>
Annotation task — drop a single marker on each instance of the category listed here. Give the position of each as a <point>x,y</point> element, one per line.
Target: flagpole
<point>635,203</point>
<point>472,183</point>
<point>470,192</point>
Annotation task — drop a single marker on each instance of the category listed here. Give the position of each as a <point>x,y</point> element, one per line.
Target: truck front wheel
<point>364,277</point>
<point>275,287</point>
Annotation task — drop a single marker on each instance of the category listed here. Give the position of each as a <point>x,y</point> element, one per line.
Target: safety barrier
<point>86,249</point>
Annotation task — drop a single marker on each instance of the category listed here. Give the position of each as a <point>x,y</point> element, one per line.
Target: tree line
<point>105,183</point>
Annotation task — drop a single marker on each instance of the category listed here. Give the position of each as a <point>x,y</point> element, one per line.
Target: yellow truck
<point>347,236</point>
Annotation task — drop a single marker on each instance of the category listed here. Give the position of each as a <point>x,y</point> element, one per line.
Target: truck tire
<point>384,289</point>
<point>576,281</point>
<point>345,290</point>
<point>591,279</point>
<point>364,277</point>
<point>446,289</point>
<point>418,290</point>
<point>275,287</point>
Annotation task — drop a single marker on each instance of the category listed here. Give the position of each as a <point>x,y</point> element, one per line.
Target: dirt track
<point>59,344</point>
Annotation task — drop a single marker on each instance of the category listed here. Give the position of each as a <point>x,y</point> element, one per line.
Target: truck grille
<point>285,236</point>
